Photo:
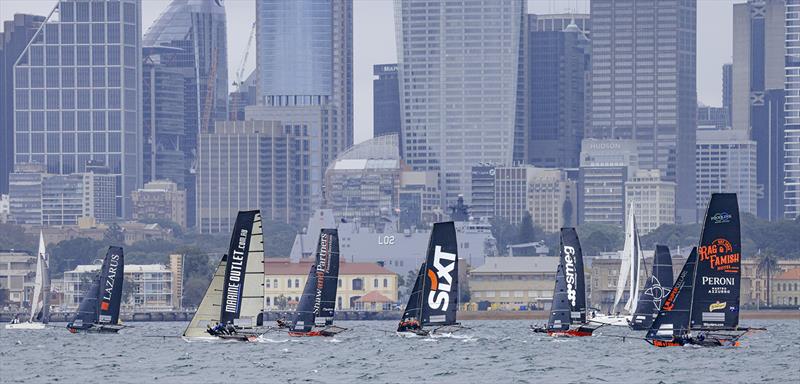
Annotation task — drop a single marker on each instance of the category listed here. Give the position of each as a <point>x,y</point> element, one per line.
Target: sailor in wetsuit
<point>281,323</point>
<point>230,329</point>
<point>409,325</point>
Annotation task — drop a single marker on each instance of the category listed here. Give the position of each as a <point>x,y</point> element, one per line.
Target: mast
<point>440,288</point>
<point>715,300</point>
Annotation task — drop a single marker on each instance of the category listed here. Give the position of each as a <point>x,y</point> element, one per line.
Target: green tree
<point>278,238</point>
<point>114,235</point>
<point>14,237</point>
<point>526,232</point>
<point>193,290</point>
<point>504,233</point>
<point>596,238</point>
<point>69,253</point>
<point>767,265</point>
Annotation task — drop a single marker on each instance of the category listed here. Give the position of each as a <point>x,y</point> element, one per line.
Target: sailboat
<point>568,309</point>
<point>654,291</point>
<point>703,306</point>
<point>629,277</point>
<point>232,305</point>
<point>40,309</point>
<point>314,314</point>
<point>98,312</point>
<point>433,303</point>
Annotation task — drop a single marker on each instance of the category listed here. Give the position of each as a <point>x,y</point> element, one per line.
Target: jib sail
<point>571,261</point>
<point>715,304</point>
<point>41,288</point>
<point>112,278</point>
<point>655,290</point>
<point>440,285</point>
<point>414,306</point>
<point>673,317</point>
<point>243,289</point>
<point>208,311</point>
<point>304,315</point>
<point>327,263</point>
<point>559,319</point>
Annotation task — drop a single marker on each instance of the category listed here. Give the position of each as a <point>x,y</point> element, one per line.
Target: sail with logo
<point>314,314</point>
<point>433,303</point>
<point>712,318</point>
<point>39,314</point>
<point>655,290</point>
<point>573,289</point>
<point>100,306</point>
<point>232,305</point>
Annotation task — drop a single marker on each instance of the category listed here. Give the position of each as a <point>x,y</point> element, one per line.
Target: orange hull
<point>307,334</point>
<point>570,333</point>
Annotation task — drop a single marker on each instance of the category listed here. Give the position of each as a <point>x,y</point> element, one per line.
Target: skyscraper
<point>304,57</point>
<point>459,71</point>
<point>727,92</point>
<point>791,143</point>
<point>558,65</point>
<point>758,80</point>
<point>15,36</point>
<point>197,29</point>
<point>385,100</point>
<point>644,85</point>
<point>78,93</point>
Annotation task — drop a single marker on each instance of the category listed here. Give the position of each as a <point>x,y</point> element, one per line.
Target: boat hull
<point>616,321</point>
<point>26,326</point>
<point>329,331</point>
<point>97,328</point>
<point>706,342</point>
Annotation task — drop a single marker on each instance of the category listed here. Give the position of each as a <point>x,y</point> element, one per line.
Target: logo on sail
<point>111,278</point>
<point>439,295</point>
<point>569,274</point>
<point>669,303</point>
<point>720,256</point>
<point>721,218</point>
<point>657,292</point>
<point>236,275</point>
<point>715,306</point>
<point>322,268</point>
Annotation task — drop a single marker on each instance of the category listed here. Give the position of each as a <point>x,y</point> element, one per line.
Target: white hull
<point>617,321</point>
<point>26,326</point>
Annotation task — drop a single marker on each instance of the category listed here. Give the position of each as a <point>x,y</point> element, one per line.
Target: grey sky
<point>374,42</point>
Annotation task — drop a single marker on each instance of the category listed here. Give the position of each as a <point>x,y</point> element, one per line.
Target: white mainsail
<point>629,268</point>
<point>253,289</point>
<point>208,311</point>
<point>38,299</point>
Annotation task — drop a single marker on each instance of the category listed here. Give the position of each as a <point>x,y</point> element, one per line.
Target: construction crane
<point>239,81</point>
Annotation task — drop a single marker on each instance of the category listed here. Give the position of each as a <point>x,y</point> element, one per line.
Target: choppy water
<point>493,351</point>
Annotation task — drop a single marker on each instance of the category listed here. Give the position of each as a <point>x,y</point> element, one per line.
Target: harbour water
<point>491,351</point>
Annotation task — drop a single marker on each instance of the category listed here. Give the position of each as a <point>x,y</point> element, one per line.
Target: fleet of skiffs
<point>700,307</point>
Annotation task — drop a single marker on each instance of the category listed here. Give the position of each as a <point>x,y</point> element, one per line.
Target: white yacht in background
<point>41,290</point>
<point>399,250</point>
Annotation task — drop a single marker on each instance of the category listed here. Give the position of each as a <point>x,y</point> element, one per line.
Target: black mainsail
<point>318,302</point>
<point>715,303</point>
<point>101,302</point>
<point>559,320</point>
<point>571,262</point>
<point>673,317</point>
<point>413,311</point>
<point>440,285</point>
<point>654,291</point>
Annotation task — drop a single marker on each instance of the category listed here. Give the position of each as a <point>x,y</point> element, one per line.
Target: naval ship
<point>398,250</point>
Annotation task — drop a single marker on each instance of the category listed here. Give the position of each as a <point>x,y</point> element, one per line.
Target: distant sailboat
<point>99,309</point>
<point>654,291</point>
<point>703,306</point>
<point>232,305</point>
<point>628,280</point>
<point>314,314</point>
<point>568,308</point>
<point>40,311</point>
<point>434,299</point>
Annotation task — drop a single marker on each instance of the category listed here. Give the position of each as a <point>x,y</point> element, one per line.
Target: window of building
<point>375,283</point>
<point>268,299</point>
<point>288,283</point>
<point>267,284</point>
<point>386,283</point>
<point>297,283</point>
<point>275,283</point>
<point>358,284</point>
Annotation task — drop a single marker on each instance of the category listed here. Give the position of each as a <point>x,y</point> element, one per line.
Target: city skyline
<point>374,41</point>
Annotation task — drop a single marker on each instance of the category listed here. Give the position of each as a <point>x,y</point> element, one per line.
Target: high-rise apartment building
<point>605,167</point>
<point>16,35</point>
<point>482,190</point>
<point>727,93</point>
<point>385,100</point>
<point>544,193</point>
<point>651,200</point>
<point>791,140</point>
<point>459,69</point>
<point>558,68</point>
<point>758,92</point>
<point>726,162</point>
<point>78,93</point>
<point>196,32</point>
<point>160,200</point>
<point>644,85</point>
<point>304,57</point>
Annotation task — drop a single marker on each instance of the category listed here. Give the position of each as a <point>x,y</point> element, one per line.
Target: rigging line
<point>623,337</point>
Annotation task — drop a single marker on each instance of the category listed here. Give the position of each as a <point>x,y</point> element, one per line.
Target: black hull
<point>97,328</point>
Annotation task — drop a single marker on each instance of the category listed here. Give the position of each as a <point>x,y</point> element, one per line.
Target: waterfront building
<point>16,35</point>
<point>17,275</point>
<point>194,34</point>
<point>726,162</point>
<point>149,287</point>
<point>255,164</point>
<point>304,58</point>
<point>160,200</point>
<point>385,100</point>
<point>644,86</point>
<point>78,93</point>
<point>459,70</point>
<point>786,289</point>
<point>558,69</point>
<point>514,283</point>
<point>604,169</point>
<point>759,56</point>
<point>363,182</point>
<point>791,140</point>
<point>359,283</point>
<point>650,199</point>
